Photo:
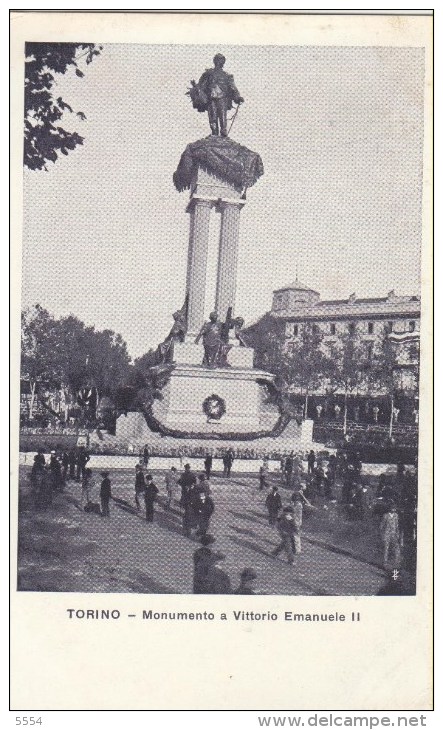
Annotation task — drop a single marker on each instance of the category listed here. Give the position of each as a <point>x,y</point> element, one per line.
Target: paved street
<point>65,549</point>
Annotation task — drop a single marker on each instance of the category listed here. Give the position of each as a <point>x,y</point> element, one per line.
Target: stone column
<point>227,256</point>
<point>200,210</point>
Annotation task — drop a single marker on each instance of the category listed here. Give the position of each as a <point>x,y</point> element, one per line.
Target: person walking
<point>205,561</point>
<point>146,455</point>
<point>390,535</point>
<point>203,483</point>
<point>247,576</point>
<point>263,475</point>
<point>228,460</point>
<point>55,471</point>
<point>105,494</point>
<point>72,462</point>
<point>139,485</point>
<point>208,465</point>
<point>187,483</point>
<point>311,462</point>
<point>82,459</point>
<point>288,465</point>
<point>87,485</point>
<point>150,495</point>
<point>203,508</point>
<point>65,464</point>
<point>287,529</point>
<point>273,505</point>
<point>171,480</point>
<point>299,500</point>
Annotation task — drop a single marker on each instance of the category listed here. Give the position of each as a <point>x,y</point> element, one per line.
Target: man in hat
<point>207,577</point>
<point>273,504</point>
<point>216,92</point>
<point>187,482</point>
<point>171,480</point>
<point>105,493</point>
<point>248,575</point>
<point>151,492</point>
<point>202,507</point>
<point>287,529</point>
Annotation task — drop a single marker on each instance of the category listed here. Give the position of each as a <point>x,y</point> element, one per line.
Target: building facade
<point>372,319</point>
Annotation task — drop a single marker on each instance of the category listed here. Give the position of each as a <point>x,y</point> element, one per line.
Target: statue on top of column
<point>215,93</point>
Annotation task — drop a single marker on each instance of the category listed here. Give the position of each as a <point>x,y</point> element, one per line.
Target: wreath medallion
<point>214,407</point>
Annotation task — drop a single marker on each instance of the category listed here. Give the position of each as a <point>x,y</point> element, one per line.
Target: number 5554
<point>28,720</point>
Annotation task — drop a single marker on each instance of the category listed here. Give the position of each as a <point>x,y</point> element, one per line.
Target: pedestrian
<point>65,464</point>
<point>228,460</point>
<point>39,458</point>
<point>208,465</point>
<point>82,459</point>
<point>150,495</point>
<point>203,483</point>
<point>287,529</point>
<point>273,504</point>
<point>55,471</point>
<point>105,493</point>
<point>139,485</point>
<point>263,475</point>
<point>146,455</point>
<point>311,462</point>
<point>87,486</point>
<point>203,508</point>
<point>187,483</point>
<point>171,480</point>
<point>390,536</point>
<point>375,412</point>
<point>288,469</point>
<point>205,575</point>
<point>299,500</point>
<point>247,576</point>
<point>72,461</point>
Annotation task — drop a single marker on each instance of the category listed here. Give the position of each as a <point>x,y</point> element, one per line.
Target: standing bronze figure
<point>215,93</point>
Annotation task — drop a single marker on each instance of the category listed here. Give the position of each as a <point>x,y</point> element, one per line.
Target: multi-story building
<point>296,307</point>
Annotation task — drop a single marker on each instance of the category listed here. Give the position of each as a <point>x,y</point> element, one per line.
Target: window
<point>389,327</point>
<point>369,350</point>
<point>412,326</point>
<point>370,328</point>
<point>295,330</point>
<point>351,328</point>
<point>332,329</point>
<point>315,329</point>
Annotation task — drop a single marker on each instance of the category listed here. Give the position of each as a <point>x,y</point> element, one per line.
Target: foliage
<point>44,137</point>
<point>66,354</point>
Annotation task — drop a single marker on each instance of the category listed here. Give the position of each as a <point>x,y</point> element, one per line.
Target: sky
<point>339,130</point>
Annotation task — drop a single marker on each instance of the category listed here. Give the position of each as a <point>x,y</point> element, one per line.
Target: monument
<point>212,389</point>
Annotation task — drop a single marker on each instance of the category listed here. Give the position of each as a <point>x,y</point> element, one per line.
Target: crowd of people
<point>312,482</point>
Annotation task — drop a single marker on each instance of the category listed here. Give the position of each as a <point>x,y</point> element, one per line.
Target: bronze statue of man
<point>211,332</point>
<point>215,93</point>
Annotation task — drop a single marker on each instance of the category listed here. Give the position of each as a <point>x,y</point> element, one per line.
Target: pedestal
<point>236,393</point>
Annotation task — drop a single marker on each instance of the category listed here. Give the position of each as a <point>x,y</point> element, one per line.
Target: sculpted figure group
<point>215,336</point>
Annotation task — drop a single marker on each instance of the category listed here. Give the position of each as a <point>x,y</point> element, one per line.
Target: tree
<point>385,375</point>
<point>349,368</point>
<point>36,351</point>
<point>306,364</point>
<point>44,138</point>
<point>67,355</point>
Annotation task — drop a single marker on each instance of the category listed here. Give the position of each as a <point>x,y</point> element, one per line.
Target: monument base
<point>201,400</point>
